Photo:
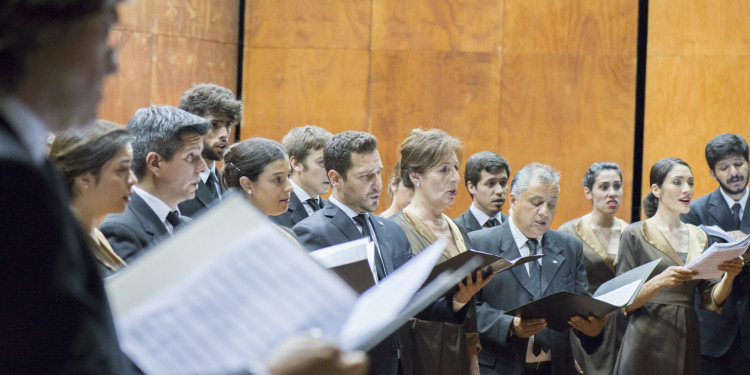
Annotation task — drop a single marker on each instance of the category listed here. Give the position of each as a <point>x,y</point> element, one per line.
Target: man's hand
<point>525,328</point>
<point>305,355</point>
<point>589,327</point>
<point>737,235</point>
<point>471,287</point>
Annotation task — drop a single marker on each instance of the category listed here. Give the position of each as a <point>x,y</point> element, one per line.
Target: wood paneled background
<point>697,81</point>
<point>551,81</point>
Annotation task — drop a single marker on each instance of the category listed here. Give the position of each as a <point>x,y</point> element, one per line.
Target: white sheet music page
<point>235,308</point>
<point>345,253</point>
<point>708,262</point>
<point>620,296</point>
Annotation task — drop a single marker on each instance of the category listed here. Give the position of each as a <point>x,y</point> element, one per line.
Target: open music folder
<point>558,308</point>
<point>719,252</point>
<point>230,287</point>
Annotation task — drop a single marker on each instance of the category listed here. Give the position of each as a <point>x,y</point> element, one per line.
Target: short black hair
<point>249,158</point>
<point>337,154</point>
<point>723,146</point>
<point>487,161</point>
<point>590,176</point>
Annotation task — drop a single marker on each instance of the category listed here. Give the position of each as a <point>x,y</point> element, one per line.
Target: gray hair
<point>159,129</point>
<point>523,178</point>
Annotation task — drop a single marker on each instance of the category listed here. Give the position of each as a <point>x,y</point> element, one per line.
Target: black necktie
<point>736,215</point>
<point>492,222</point>
<point>313,204</point>
<point>211,185</point>
<point>173,217</point>
<point>361,219</point>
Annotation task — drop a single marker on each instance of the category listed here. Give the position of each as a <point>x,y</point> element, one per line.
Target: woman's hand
<point>471,287</point>
<point>673,276</point>
<point>732,267</point>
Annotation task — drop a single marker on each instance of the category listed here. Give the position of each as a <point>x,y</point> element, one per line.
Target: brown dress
<point>438,348</point>
<point>600,268</point>
<point>662,336</point>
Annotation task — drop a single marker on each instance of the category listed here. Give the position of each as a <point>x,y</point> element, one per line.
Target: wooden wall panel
<point>454,91</point>
<point>690,99</point>
<point>308,23</point>
<point>168,46</point>
<point>285,88</point>
<point>698,77</point>
<point>130,88</point>
<point>215,20</point>
<point>579,27</point>
<point>445,25</point>
<point>699,27</point>
<point>569,112</point>
<point>181,62</point>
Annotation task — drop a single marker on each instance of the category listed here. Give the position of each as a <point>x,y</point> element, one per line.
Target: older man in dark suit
<point>167,144</point>
<point>221,108</point>
<point>54,315</point>
<point>486,177</point>
<point>725,337</point>
<point>512,345</point>
<point>354,168</point>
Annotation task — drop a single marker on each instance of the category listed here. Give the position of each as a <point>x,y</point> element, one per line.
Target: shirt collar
<point>27,125</point>
<point>731,202</point>
<point>348,211</point>
<point>300,192</point>
<point>211,168</point>
<point>483,217</point>
<point>160,208</point>
<point>519,237</point>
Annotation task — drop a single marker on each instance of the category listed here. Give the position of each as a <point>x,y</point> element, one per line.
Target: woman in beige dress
<point>400,194</point>
<point>662,334</point>
<point>429,164</point>
<point>600,230</point>
<point>95,163</point>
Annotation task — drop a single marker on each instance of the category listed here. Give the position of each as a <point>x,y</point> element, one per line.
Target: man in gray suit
<point>167,144</point>
<point>486,177</point>
<point>309,176</point>
<point>354,168</point>
<point>221,108</point>
<point>511,345</point>
<point>725,337</point>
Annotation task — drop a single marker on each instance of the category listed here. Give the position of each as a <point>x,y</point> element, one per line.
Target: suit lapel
<point>203,195</point>
<point>151,223</point>
<point>298,211</point>
<point>472,221</point>
<point>342,222</point>
<point>379,229</point>
<point>719,211</point>
<point>509,251</point>
<point>551,261</point>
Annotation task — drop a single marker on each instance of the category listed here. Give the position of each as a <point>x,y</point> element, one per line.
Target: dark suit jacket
<point>331,226</point>
<point>469,222</point>
<point>54,315</point>
<point>134,231</point>
<point>562,270</point>
<point>203,199</point>
<point>718,331</point>
<point>294,214</point>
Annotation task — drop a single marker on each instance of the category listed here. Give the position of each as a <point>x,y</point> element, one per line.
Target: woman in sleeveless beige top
<point>599,231</point>
<point>95,163</point>
<point>430,163</point>
<point>662,335</point>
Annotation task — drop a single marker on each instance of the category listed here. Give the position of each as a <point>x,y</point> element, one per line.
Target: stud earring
<point>249,192</point>
<point>85,186</point>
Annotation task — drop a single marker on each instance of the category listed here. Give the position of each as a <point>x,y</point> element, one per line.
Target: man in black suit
<point>309,177</point>
<point>486,177</point>
<point>167,144</point>
<point>221,108</point>
<point>725,337</point>
<point>54,315</point>
<point>354,168</point>
<point>511,345</point>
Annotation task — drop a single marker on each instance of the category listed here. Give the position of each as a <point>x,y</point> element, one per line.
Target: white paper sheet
<point>706,264</point>
<point>345,253</point>
<point>621,295</point>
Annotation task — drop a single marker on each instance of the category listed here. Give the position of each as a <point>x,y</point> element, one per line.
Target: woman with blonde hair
<point>429,165</point>
<point>95,163</point>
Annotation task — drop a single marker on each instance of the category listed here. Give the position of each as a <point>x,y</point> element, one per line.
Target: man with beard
<point>219,106</point>
<point>486,177</point>
<point>725,338</point>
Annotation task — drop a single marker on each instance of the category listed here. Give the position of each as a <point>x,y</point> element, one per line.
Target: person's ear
<point>295,164</point>
<point>415,178</point>
<point>335,178</point>
<point>587,193</point>
<point>471,188</point>
<point>246,185</point>
<point>713,175</point>
<point>655,190</point>
<point>153,163</point>
<point>83,181</point>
